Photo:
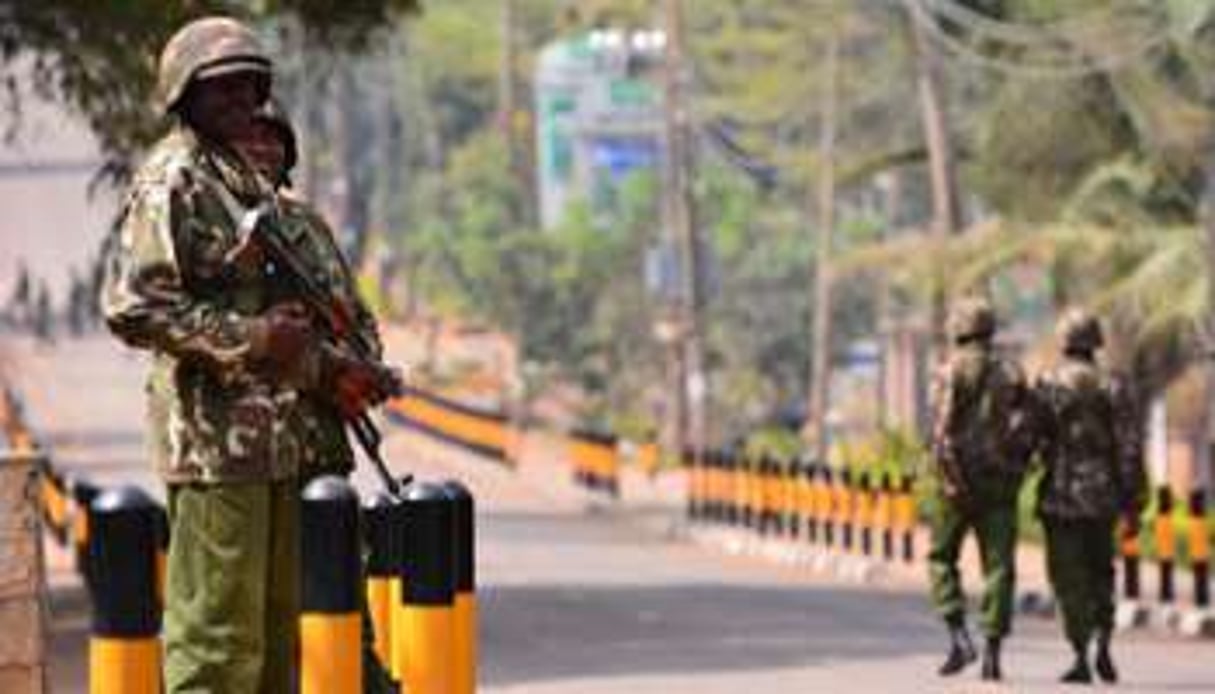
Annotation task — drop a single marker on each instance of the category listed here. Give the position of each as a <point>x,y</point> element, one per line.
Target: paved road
<point>579,598</point>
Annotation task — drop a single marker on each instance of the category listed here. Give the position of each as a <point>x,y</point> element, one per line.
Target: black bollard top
<point>82,490</point>
<point>429,561</point>
<point>380,519</point>
<point>465,532</point>
<point>1198,502</point>
<point>119,499</point>
<point>330,553</point>
<point>330,488</point>
<point>121,562</point>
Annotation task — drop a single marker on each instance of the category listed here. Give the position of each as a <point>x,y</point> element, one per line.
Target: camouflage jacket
<point>981,436</point>
<point>1090,443</point>
<point>168,289</point>
<point>326,449</point>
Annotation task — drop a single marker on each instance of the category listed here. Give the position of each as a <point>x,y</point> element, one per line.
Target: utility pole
<point>689,386</point>
<point>946,216</point>
<point>820,365</point>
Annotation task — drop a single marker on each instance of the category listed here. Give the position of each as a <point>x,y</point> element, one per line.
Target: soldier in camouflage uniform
<point>980,421</point>
<point>230,363</point>
<point>1091,447</point>
<point>271,148</point>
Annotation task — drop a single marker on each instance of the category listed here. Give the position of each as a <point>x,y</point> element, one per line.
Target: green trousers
<point>995,526</point>
<point>232,594</point>
<point>1080,564</point>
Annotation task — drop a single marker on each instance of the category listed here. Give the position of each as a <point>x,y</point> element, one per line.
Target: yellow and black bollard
<point>83,494</point>
<point>864,512</point>
<point>885,516</point>
<point>124,650</point>
<point>905,516</point>
<point>425,645</point>
<point>695,484</point>
<point>845,508</point>
<point>1200,549</point>
<point>811,504</point>
<point>331,628</point>
<point>1128,547</point>
<point>380,513</point>
<point>466,587</point>
<point>1166,544</point>
<point>827,505</point>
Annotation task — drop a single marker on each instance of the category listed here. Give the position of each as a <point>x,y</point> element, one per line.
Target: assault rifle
<point>258,229</point>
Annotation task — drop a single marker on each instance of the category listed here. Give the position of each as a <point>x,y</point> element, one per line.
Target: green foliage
<point>99,58</point>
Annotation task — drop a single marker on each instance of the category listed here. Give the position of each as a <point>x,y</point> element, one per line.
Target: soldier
<point>1091,448</point>
<point>271,148</point>
<point>980,421</point>
<point>229,366</point>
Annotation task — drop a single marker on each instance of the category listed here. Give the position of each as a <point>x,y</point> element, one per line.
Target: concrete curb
<point>855,569</point>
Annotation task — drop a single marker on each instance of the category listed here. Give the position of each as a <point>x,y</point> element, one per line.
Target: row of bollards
<point>1163,528</point>
<point>417,584</point>
<point>869,514</point>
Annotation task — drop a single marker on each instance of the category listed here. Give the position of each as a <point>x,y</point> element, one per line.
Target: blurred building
<point>598,118</point>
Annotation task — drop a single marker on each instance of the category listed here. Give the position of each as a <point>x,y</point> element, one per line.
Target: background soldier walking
<point>1091,449</point>
<point>980,424</point>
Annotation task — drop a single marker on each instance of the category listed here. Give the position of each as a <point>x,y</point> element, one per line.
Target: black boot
<point>1079,672</point>
<point>991,660</point>
<point>1103,663</point>
<point>961,650</point>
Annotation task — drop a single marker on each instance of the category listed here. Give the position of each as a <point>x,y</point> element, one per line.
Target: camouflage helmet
<point>970,319</point>
<point>207,47</point>
<point>272,113</point>
<point>1080,330</point>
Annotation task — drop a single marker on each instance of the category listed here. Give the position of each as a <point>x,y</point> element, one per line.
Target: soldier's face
<point>262,147</point>
<point>222,107</point>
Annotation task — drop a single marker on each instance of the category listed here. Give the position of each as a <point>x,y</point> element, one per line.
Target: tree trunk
<point>820,367</point>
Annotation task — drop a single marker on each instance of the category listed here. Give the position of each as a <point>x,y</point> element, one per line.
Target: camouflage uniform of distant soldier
<point>272,149</point>
<point>979,430</point>
<point>1091,447</point>
<point>230,365</point>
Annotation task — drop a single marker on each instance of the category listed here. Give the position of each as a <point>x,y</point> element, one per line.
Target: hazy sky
<point>47,219</point>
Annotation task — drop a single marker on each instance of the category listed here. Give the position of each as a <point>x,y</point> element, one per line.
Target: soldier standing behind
<point>271,148</point>
<point>980,425</point>
<point>228,368</point>
<point>1091,448</point>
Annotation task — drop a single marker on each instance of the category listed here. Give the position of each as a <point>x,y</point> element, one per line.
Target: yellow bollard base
<point>331,653</point>
<point>466,643</point>
<point>425,649</point>
<point>124,666</point>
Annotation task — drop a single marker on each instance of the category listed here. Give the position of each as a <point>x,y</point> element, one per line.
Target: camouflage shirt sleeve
<point>944,390</point>
<point>364,320</point>
<point>145,297</point>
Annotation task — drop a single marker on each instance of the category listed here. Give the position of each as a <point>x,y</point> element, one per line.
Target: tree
<point>99,58</point>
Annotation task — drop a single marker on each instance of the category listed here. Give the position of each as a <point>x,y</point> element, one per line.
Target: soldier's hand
<point>357,385</point>
<point>282,334</point>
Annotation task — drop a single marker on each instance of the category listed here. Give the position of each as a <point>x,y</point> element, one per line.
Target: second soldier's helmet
<point>273,114</point>
<point>1080,330</point>
<point>208,47</point>
<point>971,318</point>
